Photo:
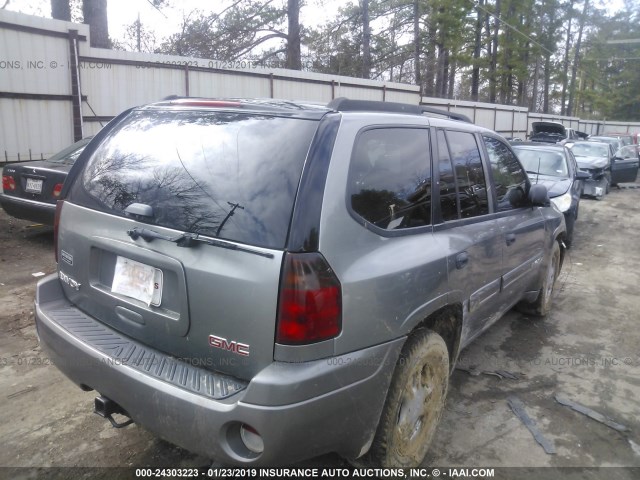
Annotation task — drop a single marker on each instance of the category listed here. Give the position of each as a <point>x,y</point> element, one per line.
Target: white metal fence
<point>55,88</point>
<point>507,120</point>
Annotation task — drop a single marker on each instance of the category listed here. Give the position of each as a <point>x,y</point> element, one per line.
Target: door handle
<point>462,259</point>
<point>510,238</point>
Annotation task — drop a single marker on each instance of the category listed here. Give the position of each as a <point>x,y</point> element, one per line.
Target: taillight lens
<point>57,189</point>
<point>8,183</point>
<point>310,303</point>
<point>56,221</point>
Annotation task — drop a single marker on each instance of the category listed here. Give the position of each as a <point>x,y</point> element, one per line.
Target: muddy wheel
<point>542,306</point>
<point>415,402</point>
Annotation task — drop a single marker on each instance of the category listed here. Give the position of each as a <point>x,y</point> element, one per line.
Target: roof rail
<point>445,113</point>
<point>343,104</point>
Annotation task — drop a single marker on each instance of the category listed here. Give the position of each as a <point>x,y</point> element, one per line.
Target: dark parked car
<point>624,164</point>
<point>627,138</point>
<point>30,190</point>
<point>595,159</point>
<point>630,142</point>
<point>555,167</point>
<point>264,281</point>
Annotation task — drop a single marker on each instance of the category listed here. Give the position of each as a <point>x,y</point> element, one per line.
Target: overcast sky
<point>122,13</point>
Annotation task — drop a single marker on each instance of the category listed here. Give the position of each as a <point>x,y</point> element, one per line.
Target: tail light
<point>310,303</point>
<point>8,183</point>
<point>56,221</point>
<point>57,189</point>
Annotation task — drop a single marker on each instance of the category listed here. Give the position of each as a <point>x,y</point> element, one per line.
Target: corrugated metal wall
<point>621,127</point>
<point>36,95</point>
<point>33,125</point>
<point>507,120</point>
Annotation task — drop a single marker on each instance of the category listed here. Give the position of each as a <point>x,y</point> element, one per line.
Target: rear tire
<point>414,404</point>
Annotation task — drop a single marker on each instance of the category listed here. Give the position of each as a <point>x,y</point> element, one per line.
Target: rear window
<point>69,155</point>
<point>231,175</point>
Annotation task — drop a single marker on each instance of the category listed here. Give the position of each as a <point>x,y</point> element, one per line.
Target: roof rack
<point>343,104</point>
<point>445,113</point>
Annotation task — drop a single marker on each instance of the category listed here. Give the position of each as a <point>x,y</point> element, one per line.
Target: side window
<point>390,177</point>
<point>470,180</point>
<point>448,197</point>
<point>508,176</point>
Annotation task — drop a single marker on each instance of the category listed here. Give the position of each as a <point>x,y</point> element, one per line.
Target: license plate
<point>137,280</point>
<point>33,185</point>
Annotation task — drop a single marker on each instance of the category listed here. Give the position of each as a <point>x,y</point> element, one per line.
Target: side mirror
<point>538,195</point>
<point>582,176</point>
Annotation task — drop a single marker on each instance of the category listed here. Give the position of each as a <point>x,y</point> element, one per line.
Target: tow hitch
<point>106,407</point>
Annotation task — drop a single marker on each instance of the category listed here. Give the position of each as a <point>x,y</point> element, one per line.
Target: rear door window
<point>470,178</point>
<point>231,175</point>
<point>390,177</point>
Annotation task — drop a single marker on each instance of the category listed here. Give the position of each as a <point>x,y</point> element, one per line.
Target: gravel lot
<point>588,349</point>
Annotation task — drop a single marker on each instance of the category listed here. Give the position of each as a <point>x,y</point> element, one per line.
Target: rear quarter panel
<point>389,284</point>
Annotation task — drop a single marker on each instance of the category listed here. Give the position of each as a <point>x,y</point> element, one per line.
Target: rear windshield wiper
<point>189,240</point>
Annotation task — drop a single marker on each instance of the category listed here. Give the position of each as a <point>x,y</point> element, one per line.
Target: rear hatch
<point>174,229</point>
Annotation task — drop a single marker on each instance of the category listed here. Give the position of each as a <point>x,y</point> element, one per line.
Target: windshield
<point>222,174</point>
<point>543,162</point>
<point>69,155</point>
<point>589,150</point>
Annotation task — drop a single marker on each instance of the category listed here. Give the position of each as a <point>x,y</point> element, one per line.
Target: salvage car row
<point>573,164</point>
<point>241,275</point>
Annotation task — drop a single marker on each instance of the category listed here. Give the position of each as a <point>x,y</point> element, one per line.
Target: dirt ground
<point>588,349</point>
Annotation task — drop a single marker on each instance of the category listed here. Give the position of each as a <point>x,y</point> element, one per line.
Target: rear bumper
<point>300,410</point>
<point>26,209</point>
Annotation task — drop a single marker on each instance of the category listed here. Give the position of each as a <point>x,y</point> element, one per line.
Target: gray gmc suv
<point>263,281</point>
